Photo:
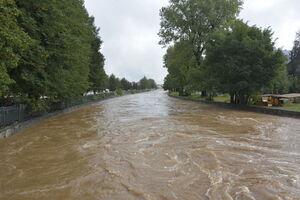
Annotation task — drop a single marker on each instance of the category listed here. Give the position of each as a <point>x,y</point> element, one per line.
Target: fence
<point>11,114</point>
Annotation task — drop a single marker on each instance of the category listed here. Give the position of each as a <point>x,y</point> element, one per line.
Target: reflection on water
<point>150,146</point>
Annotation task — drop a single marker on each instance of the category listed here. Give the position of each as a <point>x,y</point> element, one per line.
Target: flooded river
<point>153,147</point>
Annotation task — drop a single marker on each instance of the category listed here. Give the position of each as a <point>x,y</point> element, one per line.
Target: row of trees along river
<point>52,49</point>
<point>211,50</point>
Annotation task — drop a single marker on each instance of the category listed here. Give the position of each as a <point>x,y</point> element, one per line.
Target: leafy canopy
<point>294,65</point>
<point>243,59</point>
<point>195,20</point>
<point>13,40</point>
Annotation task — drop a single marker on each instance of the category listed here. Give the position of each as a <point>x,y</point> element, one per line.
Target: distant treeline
<point>212,51</point>
<point>115,83</point>
<point>50,52</point>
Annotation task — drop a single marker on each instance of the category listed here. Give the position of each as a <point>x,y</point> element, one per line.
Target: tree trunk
<point>204,93</point>
<point>181,92</point>
<point>232,98</point>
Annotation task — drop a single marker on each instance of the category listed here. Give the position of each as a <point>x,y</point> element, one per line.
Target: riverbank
<point>12,129</point>
<point>257,109</point>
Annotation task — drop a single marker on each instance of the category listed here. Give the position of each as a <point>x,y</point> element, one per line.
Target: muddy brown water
<point>153,147</point>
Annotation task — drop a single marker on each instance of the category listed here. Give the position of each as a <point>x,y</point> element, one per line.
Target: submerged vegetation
<point>213,52</point>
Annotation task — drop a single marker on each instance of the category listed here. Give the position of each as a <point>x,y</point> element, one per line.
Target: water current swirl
<point>152,147</point>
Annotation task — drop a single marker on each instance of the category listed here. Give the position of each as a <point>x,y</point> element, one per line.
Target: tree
<point>57,64</point>
<point>13,41</point>
<point>170,83</point>
<point>294,64</point>
<point>281,83</point>
<point>152,84</point>
<point>194,21</point>
<point>113,83</point>
<point>30,76</point>
<point>243,60</point>
<point>135,86</point>
<point>97,75</point>
<point>143,83</point>
<point>179,60</point>
<point>125,85</point>
<point>294,84</point>
<point>49,49</point>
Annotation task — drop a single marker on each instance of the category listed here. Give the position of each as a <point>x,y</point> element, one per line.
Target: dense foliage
<point>213,52</point>
<point>194,21</point>
<point>242,60</point>
<point>48,49</point>
<point>114,83</point>
<point>13,41</point>
<point>179,60</point>
<point>294,65</point>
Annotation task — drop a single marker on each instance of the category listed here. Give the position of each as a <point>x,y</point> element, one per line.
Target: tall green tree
<point>146,83</point>
<point>30,76</point>
<point>294,83</point>
<point>60,58</point>
<point>195,20</point>
<point>125,84</point>
<point>143,83</point>
<point>281,83</point>
<point>97,75</point>
<point>152,84</point>
<point>13,41</point>
<point>135,86</point>
<point>294,64</point>
<point>243,60</point>
<point>170,83</point>
<point>179,60</point>
<point>113,83</point>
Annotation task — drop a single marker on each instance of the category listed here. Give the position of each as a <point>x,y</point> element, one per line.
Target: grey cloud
<point>129,31</point>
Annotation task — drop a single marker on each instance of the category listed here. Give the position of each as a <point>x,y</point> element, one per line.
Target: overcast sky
<point>129,30</point>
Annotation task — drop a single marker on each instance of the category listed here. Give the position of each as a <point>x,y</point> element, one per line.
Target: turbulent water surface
<point>150,146</point>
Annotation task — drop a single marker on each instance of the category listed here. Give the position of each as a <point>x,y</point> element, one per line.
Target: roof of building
<point>287,96</point>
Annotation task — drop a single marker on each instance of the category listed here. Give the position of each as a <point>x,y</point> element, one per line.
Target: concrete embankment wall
<point>15,128</point>
<point>258,109</point>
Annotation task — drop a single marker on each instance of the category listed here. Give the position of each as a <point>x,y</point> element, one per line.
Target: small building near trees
<point>278,99</point>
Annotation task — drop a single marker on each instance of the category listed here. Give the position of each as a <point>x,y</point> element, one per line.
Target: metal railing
<point>11,114</point>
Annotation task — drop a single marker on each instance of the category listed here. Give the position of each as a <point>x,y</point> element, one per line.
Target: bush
<point>119,91</point>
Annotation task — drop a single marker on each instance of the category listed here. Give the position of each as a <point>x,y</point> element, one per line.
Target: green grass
<point>174,94</point>
<point>224,99</point>
<point>293,107</point>
<point>195,97</point>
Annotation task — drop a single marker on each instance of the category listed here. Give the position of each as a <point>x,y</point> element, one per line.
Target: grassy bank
<point>293,107</point>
